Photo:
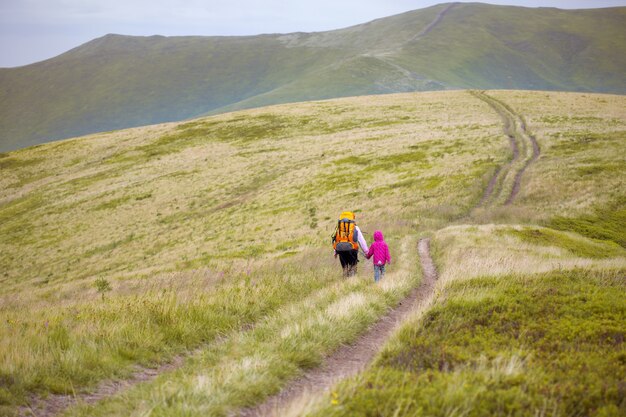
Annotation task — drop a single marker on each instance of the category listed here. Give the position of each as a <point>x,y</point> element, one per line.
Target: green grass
<point>109,247</point>
<point>604,224</point>
<point>11,162</point>
<point>549,343</point>
<point>586,139</point>
<point>352,160</point>
<point>113,203</point>
<point>575,245</point>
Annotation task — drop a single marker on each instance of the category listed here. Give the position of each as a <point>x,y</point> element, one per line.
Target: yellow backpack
<point>346,236</point>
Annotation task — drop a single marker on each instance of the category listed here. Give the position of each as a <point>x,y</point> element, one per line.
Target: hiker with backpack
<point>380,251</point>
<point>346,241</point>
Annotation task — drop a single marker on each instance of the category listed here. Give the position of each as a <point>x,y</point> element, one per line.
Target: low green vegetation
<point>102,286</point>
<point>583,248</point>
<point>603,224</point>
<point>549,344</point>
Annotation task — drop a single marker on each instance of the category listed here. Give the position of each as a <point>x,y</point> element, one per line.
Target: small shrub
<point>102,286</point>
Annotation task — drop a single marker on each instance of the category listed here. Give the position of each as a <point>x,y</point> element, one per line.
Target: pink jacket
<point>379,249</point>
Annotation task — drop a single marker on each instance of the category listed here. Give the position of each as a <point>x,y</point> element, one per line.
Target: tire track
<point>535,154</point>
<point>506,181</point>
<point>351,359</point>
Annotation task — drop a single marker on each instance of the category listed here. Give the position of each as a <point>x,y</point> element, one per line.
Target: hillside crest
<point>119,81</point>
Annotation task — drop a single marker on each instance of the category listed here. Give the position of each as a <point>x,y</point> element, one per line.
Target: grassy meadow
<point>210,239</point>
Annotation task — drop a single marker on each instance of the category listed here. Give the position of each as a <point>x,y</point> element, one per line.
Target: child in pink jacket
<point>380,251</point>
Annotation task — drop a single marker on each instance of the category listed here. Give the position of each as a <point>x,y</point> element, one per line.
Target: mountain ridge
<point>118,81</point>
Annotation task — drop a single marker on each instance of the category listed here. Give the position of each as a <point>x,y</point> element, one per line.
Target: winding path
<point>346,361</point>
<point>386,56</point>
<point>506,181</point>
<point>349,360</point>
<point>434,23</point>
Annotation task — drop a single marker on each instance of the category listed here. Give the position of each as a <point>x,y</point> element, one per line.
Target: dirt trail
<point>387,55</point>
<point>524,148</point>
<point>349,360</point>
<point>55,404</point>
<point>517,183</point>
<point>434,23</point>
<point>346,361</point>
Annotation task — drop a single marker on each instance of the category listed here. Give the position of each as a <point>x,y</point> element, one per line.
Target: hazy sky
<point>33,30</point>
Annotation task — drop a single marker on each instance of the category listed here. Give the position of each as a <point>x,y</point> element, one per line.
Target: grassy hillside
<point>212,238</point>
<point>123,81</point>
<point>518,343</point>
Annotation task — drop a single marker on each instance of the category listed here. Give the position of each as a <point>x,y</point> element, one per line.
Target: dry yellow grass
<point>583,159</point>
<point>466,252</point>
<point>82,216</point>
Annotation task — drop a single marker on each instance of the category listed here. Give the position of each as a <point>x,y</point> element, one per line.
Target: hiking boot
<point>351,270</point>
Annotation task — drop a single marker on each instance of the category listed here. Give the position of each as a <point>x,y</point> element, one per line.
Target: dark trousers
<point>348,260</point>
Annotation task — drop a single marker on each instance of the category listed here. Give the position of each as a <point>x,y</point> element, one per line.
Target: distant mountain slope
<point>123,81</point>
